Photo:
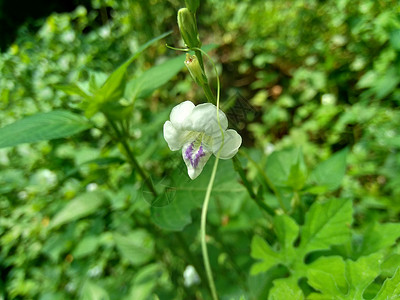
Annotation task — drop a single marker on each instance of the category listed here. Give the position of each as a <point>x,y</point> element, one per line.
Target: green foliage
<point>41,127</point>
<point>311,86</point>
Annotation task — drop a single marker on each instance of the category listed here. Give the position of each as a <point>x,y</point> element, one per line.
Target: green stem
<point>203,233</point>
<point>208,193</point>
<point>260,203</point>
<point>266,179</point>
<point>206,87</point>
<point>132,158</point>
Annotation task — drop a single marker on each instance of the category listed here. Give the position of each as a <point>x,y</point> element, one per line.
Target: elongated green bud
<point>192,5</point>
<point>192,63</point>
<point>188,28</point>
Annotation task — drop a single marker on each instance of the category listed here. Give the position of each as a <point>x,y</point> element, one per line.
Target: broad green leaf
<point>285,289</point>
<point>262,251</point>
<point>144,282</point>
<point>81,206</point>
<point>41,127</point>
<point>114,87</point>
<point>93,291</point>
<point>86,246</point>
<point>330,172</point>
<point>326,275</point>
<point>361,273</point>
<point>326,224</point>
<point>281,164</point>
<point>185,194</point>
<point>153,78</point>
<point>377,237</point>
<point>391,288</point>
<point>137,246</point>
<point>395,39</point>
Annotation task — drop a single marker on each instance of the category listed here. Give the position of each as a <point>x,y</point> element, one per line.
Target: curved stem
<point>208,194</point>
<point>203,233</point>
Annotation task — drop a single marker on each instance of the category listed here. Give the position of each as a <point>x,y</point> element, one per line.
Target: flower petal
<point>232,142</point>
<point>195,158</point>
<point>180,114</point>
<point>204,119</point>
<point>174,137</point>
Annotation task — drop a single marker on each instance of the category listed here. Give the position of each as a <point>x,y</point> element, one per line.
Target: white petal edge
<point>175,138</point>
<point>232,142</point>
<point>204,119</point>
<point>180,114</point>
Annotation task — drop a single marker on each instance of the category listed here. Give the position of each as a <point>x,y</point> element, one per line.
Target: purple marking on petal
<point>189,153</point>
<point>198,155</point>
<point>194,156</point>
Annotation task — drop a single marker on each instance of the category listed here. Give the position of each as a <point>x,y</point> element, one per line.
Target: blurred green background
<point>316,75</point>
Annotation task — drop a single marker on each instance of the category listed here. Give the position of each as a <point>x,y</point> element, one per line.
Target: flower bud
<point>188,28</point>
<point>192,5</point>
<point>193,65</point>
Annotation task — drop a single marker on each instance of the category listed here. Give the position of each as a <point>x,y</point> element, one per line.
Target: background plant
<point>320,77</point>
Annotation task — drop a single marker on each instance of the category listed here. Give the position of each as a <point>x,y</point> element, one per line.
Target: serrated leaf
<point>41,127</point>
<point>81,206</point>
<point>137,246</point>
<point>326,224</point>
<point>262,251</point>
<point>374,240</point>
<point>391,288</point>
<point>361,273</point>
<point>285,289</point>
<point>287,230</point>
<point>330,172</point>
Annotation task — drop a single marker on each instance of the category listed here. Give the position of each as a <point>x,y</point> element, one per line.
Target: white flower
<point>195,129</point>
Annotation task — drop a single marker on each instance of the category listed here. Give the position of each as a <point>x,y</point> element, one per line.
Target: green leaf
<point>327,275</point>
<point>298,173</point>
<point>153,78</point>
<point>113,88</point>
<point>144,282</point>
<point>281,164</point>
<point>374,240</point>
<point>391,288</point>
<point>326,224</point>
<point>330,172</point>
<point>361,273</point>
<point>287,230</point>
<point>92,291</point>
<point>86,246</point>
<point>72,89</point>
<point>186,194</point>
<point>137,246</point>
<point>261,250</point>
<point>285,289</point>
<point>41,127</point>
<point>81,206</point>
